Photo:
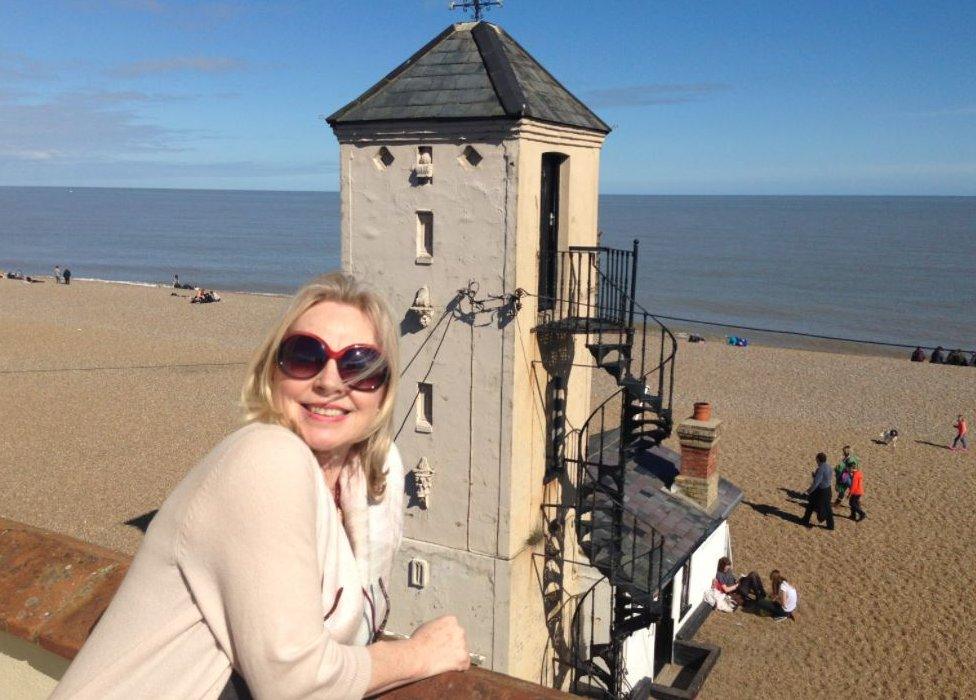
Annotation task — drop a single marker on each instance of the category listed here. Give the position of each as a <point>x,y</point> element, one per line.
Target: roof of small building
<point>683,523</point>
<point>471,70</point>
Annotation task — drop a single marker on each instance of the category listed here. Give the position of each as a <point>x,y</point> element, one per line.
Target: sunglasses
<point>361,367</point>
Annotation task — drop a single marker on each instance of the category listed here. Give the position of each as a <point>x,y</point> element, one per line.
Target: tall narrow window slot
<point>425,408</point>
<point>685,588</point>
<point>425,237</point>
<point>549,228</point>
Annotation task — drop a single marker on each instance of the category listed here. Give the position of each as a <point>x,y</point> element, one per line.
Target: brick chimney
<point>698,479</point>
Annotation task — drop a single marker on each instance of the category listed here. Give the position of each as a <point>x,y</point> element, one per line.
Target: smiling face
<point>329,416</point>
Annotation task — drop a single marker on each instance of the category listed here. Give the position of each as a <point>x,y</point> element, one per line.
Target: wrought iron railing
<point>595,291</point>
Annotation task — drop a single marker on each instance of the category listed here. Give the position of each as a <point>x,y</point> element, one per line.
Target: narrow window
<point>425,237</point>
<point>685,588</point>
<point>425,408</point>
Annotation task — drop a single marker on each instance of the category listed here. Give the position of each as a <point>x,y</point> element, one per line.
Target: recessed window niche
<point>424,170</point>
<point>425,408</point>
<point>383,158</point>
<point>470,158</point>
<point>425,237</point>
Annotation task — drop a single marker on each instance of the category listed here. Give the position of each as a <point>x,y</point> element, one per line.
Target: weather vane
<point>479,7</point>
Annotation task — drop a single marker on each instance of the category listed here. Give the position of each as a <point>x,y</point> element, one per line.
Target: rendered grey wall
<point>463,353</point>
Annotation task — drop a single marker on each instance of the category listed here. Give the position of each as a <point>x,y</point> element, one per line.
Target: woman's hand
<point>441,645</point>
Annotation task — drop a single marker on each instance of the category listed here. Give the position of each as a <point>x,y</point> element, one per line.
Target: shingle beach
<point>109,393</point>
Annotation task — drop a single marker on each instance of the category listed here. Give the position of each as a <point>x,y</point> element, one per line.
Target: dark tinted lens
<point>362,368</point>
<point>301,357</point>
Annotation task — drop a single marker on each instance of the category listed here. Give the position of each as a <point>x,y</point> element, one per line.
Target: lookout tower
<point>469,193</point>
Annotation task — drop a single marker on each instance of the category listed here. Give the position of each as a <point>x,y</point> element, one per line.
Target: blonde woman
<point>265,571</point>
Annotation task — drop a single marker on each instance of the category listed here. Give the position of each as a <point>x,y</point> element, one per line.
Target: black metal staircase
<point>595,298</point>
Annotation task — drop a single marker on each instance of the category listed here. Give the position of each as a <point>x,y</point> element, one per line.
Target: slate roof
<point>470,71</point>
<point>683,524</point>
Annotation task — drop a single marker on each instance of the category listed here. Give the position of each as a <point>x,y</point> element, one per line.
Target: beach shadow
<point>941,446</point>
<point>764,509</point>
<point>141,522</point>
<point>795,496</point>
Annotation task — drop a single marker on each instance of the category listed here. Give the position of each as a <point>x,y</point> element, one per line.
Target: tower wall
<point>479,533</point>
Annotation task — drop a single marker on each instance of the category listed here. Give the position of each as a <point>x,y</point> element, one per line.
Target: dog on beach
<point>888,437</point>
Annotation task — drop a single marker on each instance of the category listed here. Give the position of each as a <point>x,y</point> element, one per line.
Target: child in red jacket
<point>857,490</point>
<point>961,430</point>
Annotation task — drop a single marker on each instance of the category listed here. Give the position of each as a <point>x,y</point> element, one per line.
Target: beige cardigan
<point>239,568</point>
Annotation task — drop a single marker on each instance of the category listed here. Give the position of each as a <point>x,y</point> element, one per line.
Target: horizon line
<point>602,194</point>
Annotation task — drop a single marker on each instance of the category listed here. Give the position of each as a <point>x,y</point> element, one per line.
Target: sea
<point>887,269</point>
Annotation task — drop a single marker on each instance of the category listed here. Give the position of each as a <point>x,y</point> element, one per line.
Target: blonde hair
<point>257,395</point>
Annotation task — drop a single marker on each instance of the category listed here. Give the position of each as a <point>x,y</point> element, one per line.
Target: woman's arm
<point>435,647</point>
<point>248,550</point>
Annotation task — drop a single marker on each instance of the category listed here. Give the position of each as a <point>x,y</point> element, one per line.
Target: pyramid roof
<point>471,70</point>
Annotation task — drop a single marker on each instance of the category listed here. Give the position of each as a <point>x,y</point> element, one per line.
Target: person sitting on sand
<point>745,590</point>
<point>956,358</point>
<point>842,473</point>
<point>784,597</point>
<point>961,430</point>
<point>938,356</point>
<point>199,296</point>
<point>918,355</point>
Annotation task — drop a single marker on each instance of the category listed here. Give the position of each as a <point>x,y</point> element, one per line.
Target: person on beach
<point>918,355</point>
<point>857,490</point>
<point>784,597</point>
<point>744,590</point>
<point>961,430</point>
<point>66,276</point>
<point>176,282</point>
<point>938,356</point>
<point>265,571</point>
<point>57,274</point>
<point>818,495</point>
<point>956,358</point>
<point>842,473</point>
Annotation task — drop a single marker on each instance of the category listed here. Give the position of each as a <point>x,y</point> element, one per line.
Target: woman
<point>270,559</point>
<point>784,596</point>
<point>747,589</point>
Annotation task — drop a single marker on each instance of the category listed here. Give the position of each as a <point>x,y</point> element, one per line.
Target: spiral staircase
<point>594,297</point>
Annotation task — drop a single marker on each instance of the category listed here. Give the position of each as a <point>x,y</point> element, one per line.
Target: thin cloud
<point>21,67</point>
<point>138,96</point>
<point>653,94</point>
<point>179,64</point>
<point>966,111</point>
<point>79,126</point>
<point>194,16</point>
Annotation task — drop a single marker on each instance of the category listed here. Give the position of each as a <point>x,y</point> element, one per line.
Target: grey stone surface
<point>450,79</point>
<point>683,524</point>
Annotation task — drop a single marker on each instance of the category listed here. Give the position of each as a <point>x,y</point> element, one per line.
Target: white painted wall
<point>639,647</point>
<point>704,563</point>
<point>486,442</point>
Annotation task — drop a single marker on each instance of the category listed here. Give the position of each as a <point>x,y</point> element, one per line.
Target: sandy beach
<point>110,393</point>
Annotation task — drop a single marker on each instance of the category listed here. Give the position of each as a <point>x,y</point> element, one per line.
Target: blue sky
<point>704,97</point>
